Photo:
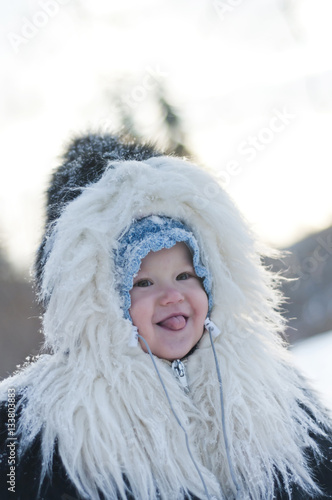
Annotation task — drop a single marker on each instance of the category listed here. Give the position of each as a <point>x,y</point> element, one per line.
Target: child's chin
<point>171,354</point>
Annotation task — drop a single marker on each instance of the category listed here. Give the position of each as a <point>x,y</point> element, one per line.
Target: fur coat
<point>91,417</point>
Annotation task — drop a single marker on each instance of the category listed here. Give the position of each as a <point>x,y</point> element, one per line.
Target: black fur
<point>84,163</point>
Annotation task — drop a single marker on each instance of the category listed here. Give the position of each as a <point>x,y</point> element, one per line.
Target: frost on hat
<point>153,233</point>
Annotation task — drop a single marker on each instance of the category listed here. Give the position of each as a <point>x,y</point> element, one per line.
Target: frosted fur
<point>102,401</point>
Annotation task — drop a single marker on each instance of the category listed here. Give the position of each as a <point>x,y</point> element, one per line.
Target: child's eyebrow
<point>188,268</point>
<point>191,266</point>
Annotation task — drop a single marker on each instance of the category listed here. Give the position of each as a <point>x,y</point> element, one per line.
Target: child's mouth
<point>174,322</point>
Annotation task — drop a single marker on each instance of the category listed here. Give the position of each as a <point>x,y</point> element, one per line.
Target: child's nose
<point>171,295</point>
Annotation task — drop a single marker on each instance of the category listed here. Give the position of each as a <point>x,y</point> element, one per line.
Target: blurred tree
<point>19,319</point>
<point>173,123</point>
<point>164,122</point>
<point>289,8</point>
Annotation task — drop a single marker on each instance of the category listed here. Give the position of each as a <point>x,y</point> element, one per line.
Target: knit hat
<point>153,233</point>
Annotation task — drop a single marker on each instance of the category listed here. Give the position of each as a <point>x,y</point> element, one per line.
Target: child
<point>167,377</point>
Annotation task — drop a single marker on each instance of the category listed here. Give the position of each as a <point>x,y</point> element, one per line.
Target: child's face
<point>168,302</point>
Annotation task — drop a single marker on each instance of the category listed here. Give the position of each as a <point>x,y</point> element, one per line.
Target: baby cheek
<point>140,307</point>
<point>134,308</point>
<point>202,302</point>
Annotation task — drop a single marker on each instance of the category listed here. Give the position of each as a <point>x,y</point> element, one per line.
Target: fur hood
<point>102,401</point>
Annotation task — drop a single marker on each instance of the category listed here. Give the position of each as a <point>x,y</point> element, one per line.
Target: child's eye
<point>143,283</point>
<point>183,276</point>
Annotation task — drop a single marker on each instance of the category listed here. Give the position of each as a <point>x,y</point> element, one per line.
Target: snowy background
<point>250,79</point>
<point>313,358</point>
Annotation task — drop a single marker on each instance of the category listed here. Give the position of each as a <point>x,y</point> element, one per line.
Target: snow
<point>313,357</point>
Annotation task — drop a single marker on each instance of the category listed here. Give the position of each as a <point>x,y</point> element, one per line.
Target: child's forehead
<point>179,254</point>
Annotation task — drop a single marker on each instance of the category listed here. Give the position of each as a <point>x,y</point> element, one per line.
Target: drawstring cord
<point>176,417</point>
<point>214,331</point>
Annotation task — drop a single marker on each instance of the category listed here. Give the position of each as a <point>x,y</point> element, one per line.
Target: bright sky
<point>252,81</point>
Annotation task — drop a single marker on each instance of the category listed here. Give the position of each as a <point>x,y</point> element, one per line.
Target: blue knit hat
<point>153,233</point>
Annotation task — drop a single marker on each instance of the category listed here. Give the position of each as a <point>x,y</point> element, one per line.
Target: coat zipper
<point>179,372</point>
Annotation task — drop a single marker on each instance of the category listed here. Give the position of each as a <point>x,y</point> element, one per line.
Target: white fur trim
<point>133,341</point>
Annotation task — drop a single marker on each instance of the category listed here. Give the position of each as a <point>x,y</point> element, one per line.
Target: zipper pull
<point>179,372</point>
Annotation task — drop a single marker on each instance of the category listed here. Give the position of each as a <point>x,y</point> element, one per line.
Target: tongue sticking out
<point>174,323</point>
